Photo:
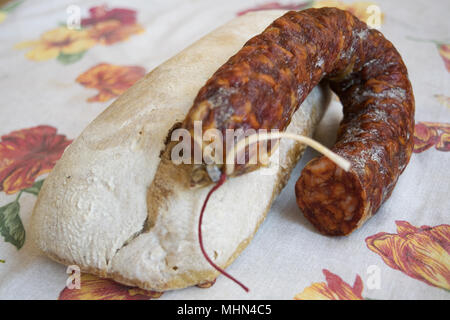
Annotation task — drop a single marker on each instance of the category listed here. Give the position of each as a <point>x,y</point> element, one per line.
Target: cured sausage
<point>266,81</point>
<point>376,136</point>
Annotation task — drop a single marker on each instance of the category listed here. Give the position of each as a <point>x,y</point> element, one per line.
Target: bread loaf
<point>116,208</point>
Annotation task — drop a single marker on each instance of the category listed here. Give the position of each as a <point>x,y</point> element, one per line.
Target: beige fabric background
<point>287,254</point>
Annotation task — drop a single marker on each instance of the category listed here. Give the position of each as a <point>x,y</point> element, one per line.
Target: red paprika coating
<point>268,79</point>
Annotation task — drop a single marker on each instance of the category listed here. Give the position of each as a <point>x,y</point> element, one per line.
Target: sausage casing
<point>266,81</point>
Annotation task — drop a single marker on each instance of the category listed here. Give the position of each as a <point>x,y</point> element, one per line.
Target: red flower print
<point>444,51</point>
<point>94,288</point>
<point>334,289</point>
<point>102,13</point>
<point>112,31</point>
<point>103,26</point>
<point>26,154</point>
<point>110,80</point>
<point>276,5</point>
<point>428,134</point>
<point>424,137</point>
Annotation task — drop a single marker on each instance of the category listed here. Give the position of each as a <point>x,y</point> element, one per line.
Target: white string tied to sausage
<point>258,137</point>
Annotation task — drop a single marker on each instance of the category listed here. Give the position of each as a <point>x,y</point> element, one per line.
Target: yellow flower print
<point>3,16</point>
<point>444,100</point>
<point>110,80</point>
<point>421,253</point>
<point>361,9</point>
<point>334,289</point>
<point>95,288</point>
<point>7,8</point>
<point>58,41</point>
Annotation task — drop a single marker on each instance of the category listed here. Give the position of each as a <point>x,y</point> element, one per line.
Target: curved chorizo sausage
<point>267,80</point>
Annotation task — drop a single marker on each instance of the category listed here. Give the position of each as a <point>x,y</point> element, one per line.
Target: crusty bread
<point>114,208</point>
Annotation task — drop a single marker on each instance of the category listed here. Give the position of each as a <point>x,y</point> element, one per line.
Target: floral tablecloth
<point>63,62</point>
